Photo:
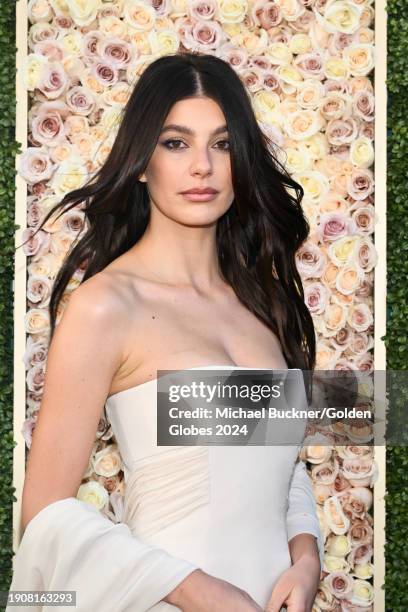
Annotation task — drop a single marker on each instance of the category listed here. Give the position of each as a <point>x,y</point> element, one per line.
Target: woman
<point>189,261</point>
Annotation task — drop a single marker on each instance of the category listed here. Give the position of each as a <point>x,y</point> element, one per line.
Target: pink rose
<point>343,338</point>
<point>367,130</point>
<point>316,297</point>
<point>325,473</point>
<point>361,343</point>
<point>363,105</point>
<point>28,429</point>
<point>34,212</point>
<point>340,584</point>
<point>36,377</point>
<point>63,22</point>
<point>360,554</point>
<point>335,225</point>
<point>360,317</point>
<point>90,44</point>
<point>54,80</point>
<point>364,218</point>
<point>340,484</point>
<point>48,128</point>
<point>252,78</point>
<point>73,221</point>
<point>353,507</point>
<point>115,52</point>
<point>80,100</point>
<point>261,61</point>
<point>360,532</point>
<point>202,9</point>
<point>365,363</point>
<point>360,472</point>
<point>310,260</point>
<point>38,291</point>
<point>35,244</point>
<point>105,74</point>
<point>310,65</point>
<point>341,132</point>
<point>35,353</point>
<point>207,35</point>
<point>35,165</point>
<point>236,58</point>
<point>305,21</point>
<point>51,49</point>
<point>41,31</point>
<point>360,183</point>
<point>266,15</point>
<point>367,255</point>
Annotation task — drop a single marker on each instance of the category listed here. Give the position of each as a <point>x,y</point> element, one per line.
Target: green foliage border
<point>396,498</point>
<point>396,551</point>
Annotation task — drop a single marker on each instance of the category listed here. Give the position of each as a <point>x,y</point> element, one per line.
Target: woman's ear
<point>142,178</point>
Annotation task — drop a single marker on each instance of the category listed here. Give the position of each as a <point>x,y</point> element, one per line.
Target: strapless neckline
<point>201,367</point>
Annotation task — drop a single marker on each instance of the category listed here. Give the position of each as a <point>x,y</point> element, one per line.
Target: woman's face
<point>192,152</point>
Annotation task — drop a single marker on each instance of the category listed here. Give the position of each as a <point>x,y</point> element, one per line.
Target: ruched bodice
<point>223,508</point>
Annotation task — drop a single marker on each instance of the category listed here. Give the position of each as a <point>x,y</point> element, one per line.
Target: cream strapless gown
<point>229,510</point>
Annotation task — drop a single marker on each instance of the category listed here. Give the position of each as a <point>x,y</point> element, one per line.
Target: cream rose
<point>315,185</point>
<point>93,493</point>
<point>164,42</point>
<point>231,11</point>
<point>302,124</point>
<point>107,462</point>
<point>335,564</point>
<point>338,545</point>
<point>70,175</point>
<point>37,321</point>
<point>139,15</point>
<point>33,69</point>
<point>362,152</point>
<point>83,13</point>
<point>340,16</point>
<point>335,517</point>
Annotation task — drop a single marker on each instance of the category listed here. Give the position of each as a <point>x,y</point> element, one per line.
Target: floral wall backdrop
<point>308,66</point>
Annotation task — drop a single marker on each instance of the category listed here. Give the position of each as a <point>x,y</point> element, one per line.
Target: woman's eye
<point>225,142</point>
<point>167,143</point>
<point>172,144</point>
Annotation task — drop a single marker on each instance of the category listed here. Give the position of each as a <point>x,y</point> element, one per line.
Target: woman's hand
<point>296,587</point>
<point>200,592</point>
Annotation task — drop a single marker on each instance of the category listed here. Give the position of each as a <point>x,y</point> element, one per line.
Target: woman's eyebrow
<point>185,130</point>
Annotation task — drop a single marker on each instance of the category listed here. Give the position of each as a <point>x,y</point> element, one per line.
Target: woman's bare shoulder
<point>111,291</point>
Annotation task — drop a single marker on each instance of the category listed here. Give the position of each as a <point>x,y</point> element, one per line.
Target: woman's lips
<point>200,197</point>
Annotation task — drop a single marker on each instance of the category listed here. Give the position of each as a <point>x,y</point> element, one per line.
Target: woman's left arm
<point>297,586</point>
<point>301,518</point>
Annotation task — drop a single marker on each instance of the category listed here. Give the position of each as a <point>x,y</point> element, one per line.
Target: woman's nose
<point>201,163</point>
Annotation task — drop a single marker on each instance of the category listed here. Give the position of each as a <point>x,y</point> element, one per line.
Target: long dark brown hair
<point>257,237</point>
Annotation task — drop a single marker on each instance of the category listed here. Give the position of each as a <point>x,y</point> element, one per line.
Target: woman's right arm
<point>67,543</point>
